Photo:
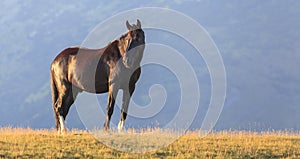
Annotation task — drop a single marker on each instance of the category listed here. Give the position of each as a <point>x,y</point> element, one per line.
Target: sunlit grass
<point>28,143</point>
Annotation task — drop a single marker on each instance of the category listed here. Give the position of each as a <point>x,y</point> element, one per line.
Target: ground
<point>28,143</point>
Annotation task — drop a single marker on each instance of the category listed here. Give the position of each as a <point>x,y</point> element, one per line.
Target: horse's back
<point>75,54</point>
<point>72,51</point>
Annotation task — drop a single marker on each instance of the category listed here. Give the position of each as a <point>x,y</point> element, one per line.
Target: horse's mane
<point>123,36</point>
<point>111,50</point>
<point>113,45</point>
<point>110,44</point>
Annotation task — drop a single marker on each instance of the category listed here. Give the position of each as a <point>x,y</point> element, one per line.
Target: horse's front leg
<point>112,94</point>
<point>127,93</point>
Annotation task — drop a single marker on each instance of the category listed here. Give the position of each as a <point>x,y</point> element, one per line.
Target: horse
<point>108,69</point>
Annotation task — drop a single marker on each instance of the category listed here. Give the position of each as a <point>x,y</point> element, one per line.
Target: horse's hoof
<point>106,129</point>
<point>62,132</point>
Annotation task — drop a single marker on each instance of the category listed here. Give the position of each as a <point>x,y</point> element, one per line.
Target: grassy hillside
<point>28,143</point>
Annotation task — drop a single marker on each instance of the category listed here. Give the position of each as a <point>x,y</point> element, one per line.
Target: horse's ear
<point>128,25</point>
<point>138,24</point>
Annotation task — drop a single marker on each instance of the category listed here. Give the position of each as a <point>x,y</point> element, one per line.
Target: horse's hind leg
<point>70,97</point>
<point>54,102</point>
<point>67,100</point>
<point>59,109</point>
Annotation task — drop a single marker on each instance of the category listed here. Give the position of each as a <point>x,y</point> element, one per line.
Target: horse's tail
<point>54,97</point>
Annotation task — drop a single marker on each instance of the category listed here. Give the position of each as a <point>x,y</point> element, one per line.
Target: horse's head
<point>132,45</point>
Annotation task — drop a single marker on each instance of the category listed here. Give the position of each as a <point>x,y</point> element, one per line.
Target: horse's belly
<point>95,88</point>
<point>101,88</point>
<point>88,81</point>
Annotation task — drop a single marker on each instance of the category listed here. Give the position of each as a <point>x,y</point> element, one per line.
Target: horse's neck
<point>111,52</point>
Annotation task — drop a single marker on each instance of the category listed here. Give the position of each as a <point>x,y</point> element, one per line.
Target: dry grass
<point>28,143</point>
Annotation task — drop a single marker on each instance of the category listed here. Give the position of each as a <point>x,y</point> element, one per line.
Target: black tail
<point>54,98</point>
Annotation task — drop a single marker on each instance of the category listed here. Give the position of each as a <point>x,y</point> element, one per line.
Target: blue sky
<point>258,40</point>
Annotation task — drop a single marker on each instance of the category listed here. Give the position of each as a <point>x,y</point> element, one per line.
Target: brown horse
<point>114,67</point>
